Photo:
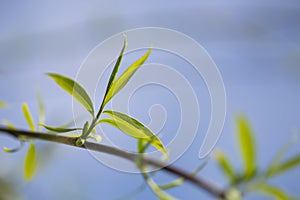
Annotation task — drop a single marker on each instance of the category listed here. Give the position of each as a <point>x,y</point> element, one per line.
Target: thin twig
<point>197,181</point>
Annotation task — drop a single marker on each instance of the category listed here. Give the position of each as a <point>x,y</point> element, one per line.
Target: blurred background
<point>255,44</point>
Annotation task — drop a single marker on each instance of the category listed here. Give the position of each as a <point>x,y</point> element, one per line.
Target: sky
<point>254,44</point>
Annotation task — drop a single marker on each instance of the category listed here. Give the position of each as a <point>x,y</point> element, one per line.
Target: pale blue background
<point>255,44</point>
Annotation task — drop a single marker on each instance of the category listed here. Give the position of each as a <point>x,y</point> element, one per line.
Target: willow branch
<point>197,181</point>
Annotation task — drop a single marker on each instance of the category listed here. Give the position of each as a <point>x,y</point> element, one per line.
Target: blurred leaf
<point>275,192</point>
<point>285,166</point>
<point>247,146</point>
<point>133,128</point>
<point>2,104</point>
<point>7,150</point>
<point>41,118</point>
<point>278,158</point>
<point>113,76</point>
<point>59,129</point>
<point>179,181</point>
<point>74,89</point>
<point>28,116</point>
<point>9,125</point>
<point>157,190</point>
<point>225,165</point>
<point>118,84</point>
<point>30,163</point>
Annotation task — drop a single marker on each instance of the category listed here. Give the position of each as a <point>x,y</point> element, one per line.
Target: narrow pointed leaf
<point>275,163</point>
<point>30,163</point>
<point>18,148</point>
<point>275,192</point>
<point>225,165</point>
<point>9,125</point>
<point>113,76</point>
<point>74,89</point>
<point>133,128</point>
<point>179,181</point>
<point>41,118</point>
<point>247,146</point>
<point>154,187</point>
<point>158,191</point>
<point>59,129</point>
<point>118,84</point>
<point>28,116</point>
<point>287,165</point>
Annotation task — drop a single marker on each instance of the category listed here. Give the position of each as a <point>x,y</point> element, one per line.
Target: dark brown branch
<point>197,181</point>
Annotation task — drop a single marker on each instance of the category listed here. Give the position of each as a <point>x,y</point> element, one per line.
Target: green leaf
<point>41,118</point>
<point>154,187</point>
<point>2,104</point>
<point>74,89</point>
<point>179,181</point>
<point>30,163</point>
<point>158,191</point>
<point>287,165</point>
<point>7,150</point>
<point>9,125</point>
<point>275,163</point>
<point>118,84</point>
<point>113,76</point>
<point>28,116</point>
<point>59,129</point>
<point>225,165</point>
<point>133,128</point>
<point>247,146</point>
<point>275,192</point>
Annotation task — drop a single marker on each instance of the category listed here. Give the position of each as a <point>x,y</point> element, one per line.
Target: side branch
<point>197,181</point>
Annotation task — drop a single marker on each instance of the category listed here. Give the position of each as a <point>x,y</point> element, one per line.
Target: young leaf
<point>28,116</point>
<point>133,128</point>
<point>154,187</point>
<point>30,163</point>
<point>287,165</point>
<point>7,150</point>
<point>113,76</point>
<point>59,129</point>
<point>278,158</point>
<point>41,118</point>
<point>118,84</point>
<point>179,181</point>
<point>272,191</point>
<point>225,165</point>
<point>2,104</point>
<point>74,89</point>
<point>9,125</point>
<point>247,146</point>
<point>158,191</point>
